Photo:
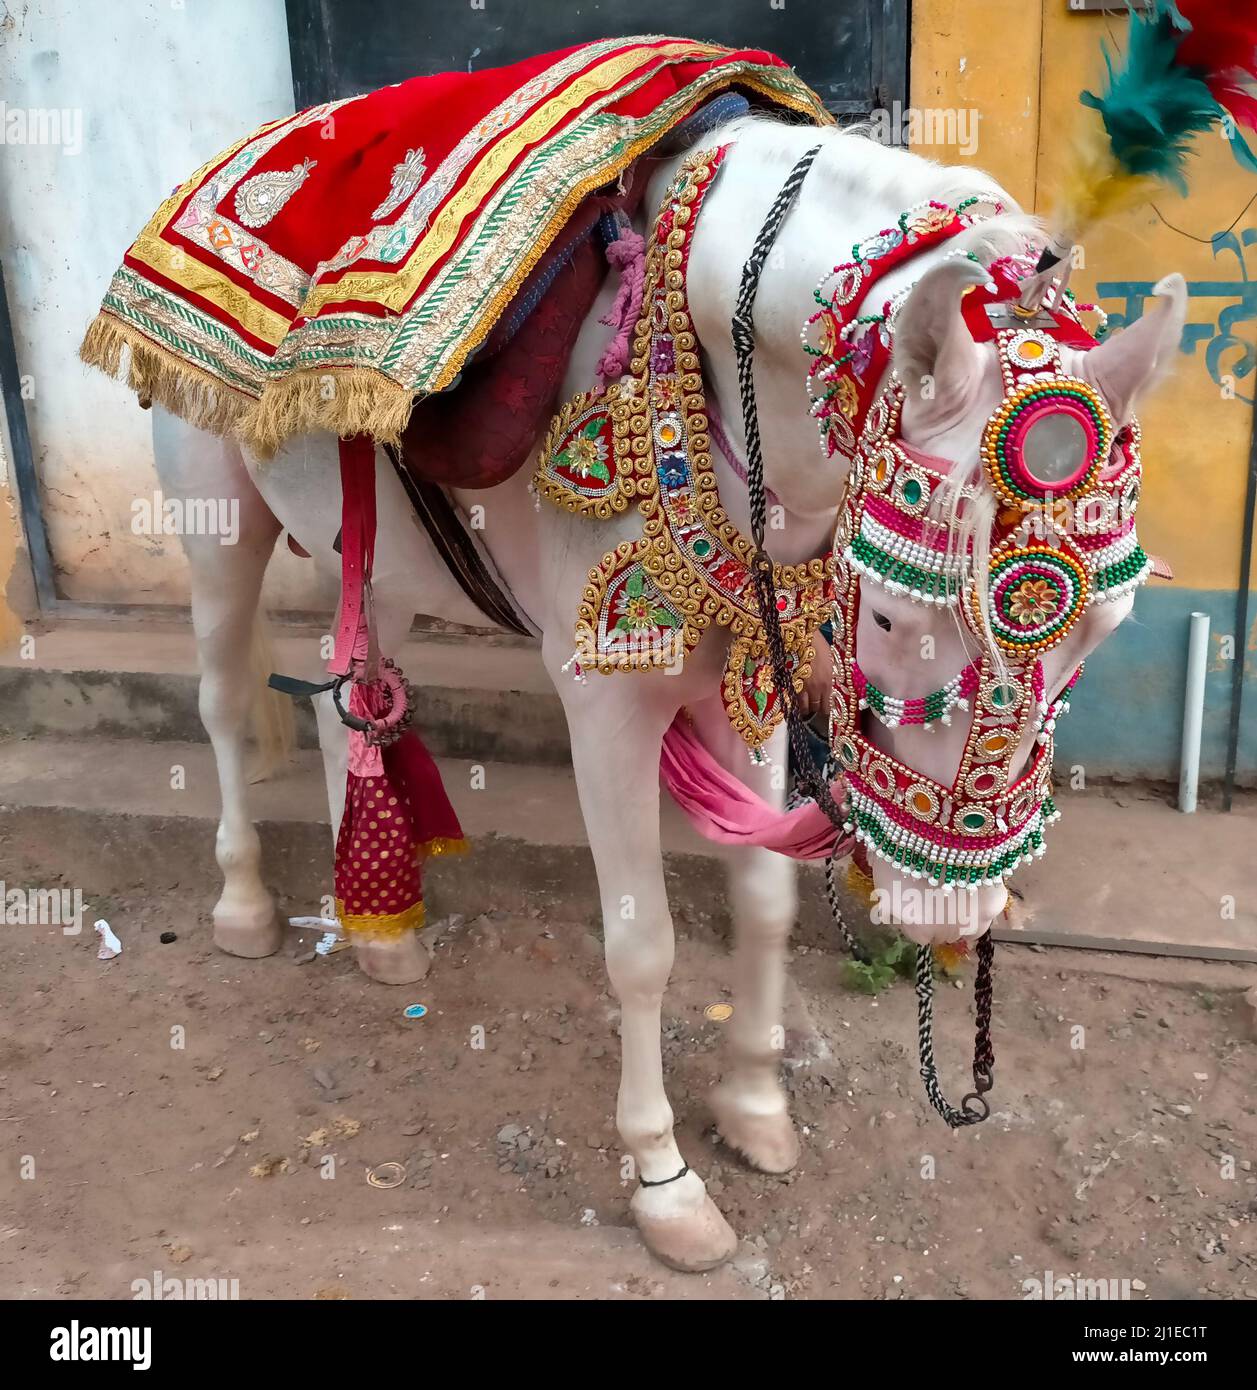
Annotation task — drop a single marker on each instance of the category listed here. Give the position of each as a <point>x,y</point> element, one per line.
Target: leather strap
<point>456,548</point>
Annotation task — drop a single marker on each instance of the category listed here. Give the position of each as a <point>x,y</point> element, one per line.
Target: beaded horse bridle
<point>1051,444</point>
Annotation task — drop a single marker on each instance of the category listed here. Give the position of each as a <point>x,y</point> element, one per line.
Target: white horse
<point>617,722</point>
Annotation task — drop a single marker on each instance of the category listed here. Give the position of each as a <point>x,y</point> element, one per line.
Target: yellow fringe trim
<point>431,849</point>
<point>344,400</point>
<point>156,374</point>
<point>859,884</point>
<point>386,926</point>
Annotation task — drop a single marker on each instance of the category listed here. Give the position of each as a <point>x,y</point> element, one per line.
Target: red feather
<point>1222,46</point>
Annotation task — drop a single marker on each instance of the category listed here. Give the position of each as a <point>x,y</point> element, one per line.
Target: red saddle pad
<point>483,430</point>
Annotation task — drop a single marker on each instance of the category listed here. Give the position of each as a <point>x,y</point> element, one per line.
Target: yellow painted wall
<point>10,624</point>
<point>1022,63</point>
<point>983,55</point>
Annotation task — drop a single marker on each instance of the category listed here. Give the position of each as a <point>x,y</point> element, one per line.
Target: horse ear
<point>934,353</point>
<point>1124,366</point>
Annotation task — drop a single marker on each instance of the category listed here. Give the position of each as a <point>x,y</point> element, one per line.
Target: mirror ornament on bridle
<point>1067,484</point>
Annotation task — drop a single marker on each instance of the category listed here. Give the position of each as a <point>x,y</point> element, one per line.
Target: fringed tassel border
<point>344,400</point>
<point>155,374</point>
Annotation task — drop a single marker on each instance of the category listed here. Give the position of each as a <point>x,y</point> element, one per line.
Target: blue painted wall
<point>1126,717</point>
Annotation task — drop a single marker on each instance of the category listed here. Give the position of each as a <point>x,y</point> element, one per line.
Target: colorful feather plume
<point>1189,65</point>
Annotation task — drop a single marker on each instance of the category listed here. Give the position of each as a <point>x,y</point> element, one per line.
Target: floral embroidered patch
<point>259,199</point>
<point>583,467</point>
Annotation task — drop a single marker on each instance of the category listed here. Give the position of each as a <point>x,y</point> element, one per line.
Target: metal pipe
<point>1193,711</point>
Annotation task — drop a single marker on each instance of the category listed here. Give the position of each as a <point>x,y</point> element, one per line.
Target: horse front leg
<point>225,573</point>
<point>749,1103</point>
<point>616,736</point>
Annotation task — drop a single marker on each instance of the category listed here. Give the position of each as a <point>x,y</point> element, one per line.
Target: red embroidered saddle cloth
<point>482,431</point>
<point>339,265</point>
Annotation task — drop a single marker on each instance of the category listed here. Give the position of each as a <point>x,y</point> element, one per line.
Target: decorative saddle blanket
<point>647,440</point>
<point>334,267</point>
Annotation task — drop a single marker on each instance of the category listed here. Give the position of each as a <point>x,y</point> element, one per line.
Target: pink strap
<point>357,552</point>
<point>716,428</point>
<point>723,809</point>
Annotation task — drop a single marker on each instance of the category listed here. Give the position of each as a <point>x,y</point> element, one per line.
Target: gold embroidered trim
<point>618,407</point>
<point>647,602</point>
<point>385,926</point>
<point>442,845</point>
<point>612,169</point>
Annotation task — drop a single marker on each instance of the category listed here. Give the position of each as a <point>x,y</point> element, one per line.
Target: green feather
<point>1151,106</point>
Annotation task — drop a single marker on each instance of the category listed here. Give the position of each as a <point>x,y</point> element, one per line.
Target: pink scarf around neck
<point>727,811</point>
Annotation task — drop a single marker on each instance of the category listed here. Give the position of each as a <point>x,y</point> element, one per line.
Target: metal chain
<point>973,1107</point>
<point>810,775</point>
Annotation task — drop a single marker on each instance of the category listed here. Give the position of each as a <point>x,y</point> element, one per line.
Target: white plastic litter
<point>110,946</point>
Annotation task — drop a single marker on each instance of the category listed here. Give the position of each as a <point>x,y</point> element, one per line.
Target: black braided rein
<point>973,1107</point>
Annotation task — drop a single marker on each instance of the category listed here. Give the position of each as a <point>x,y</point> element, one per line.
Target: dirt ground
<point>209,1160</point>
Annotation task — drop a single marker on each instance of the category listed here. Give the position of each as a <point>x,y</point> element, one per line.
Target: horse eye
<point>881,620</point>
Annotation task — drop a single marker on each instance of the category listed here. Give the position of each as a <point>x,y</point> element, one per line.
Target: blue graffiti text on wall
<point>1229,357</point>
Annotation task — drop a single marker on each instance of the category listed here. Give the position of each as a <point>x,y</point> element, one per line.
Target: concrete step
<point>529,849</point>
<point>485,697</point>
<point>1124,870</point>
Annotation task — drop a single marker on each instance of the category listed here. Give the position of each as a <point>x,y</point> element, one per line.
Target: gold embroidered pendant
<point>585,466</point>
<point>646,439</point>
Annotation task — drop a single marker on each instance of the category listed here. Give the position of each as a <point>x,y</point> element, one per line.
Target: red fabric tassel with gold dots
<point>396,811</point>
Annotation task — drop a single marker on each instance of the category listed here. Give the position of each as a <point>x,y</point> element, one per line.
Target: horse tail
<point>271,714</point>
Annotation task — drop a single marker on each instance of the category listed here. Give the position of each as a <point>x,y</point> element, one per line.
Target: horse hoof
<point>393,961</point>
<point>691,1242</point>
<point>767,1142</point>
<point>249,932</point>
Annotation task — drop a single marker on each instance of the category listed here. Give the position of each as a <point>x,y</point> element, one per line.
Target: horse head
<point>963,417</point>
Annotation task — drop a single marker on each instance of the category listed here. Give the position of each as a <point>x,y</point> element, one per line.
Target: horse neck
<point>791,537</point>
<point>848,195</point>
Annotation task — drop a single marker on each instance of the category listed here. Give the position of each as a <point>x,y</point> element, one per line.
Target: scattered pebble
<point>268,1167</point>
